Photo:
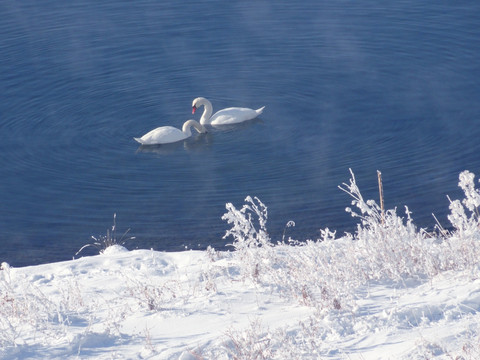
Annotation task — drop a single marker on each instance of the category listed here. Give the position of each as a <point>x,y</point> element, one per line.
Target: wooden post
<point>380,191</point>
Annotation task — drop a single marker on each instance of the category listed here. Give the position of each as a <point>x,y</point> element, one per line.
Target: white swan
<point>170,134</point>
<point>226,116</point>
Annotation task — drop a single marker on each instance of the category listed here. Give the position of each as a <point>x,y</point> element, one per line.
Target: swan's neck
<point>186,129</point>
<point>207,112</point>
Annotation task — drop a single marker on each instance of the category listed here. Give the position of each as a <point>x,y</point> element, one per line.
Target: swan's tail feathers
<point>259,111</point>
<point>138,140</point>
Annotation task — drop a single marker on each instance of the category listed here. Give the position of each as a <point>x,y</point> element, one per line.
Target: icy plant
<point>462,222</point>
<point>471,348</point>
<point>155,296</point>
<point>464,241</point>
<point>289,224</point>
<point>472,195</point>
<point>249,232</point>
<point>105,241</point>
<point>245,232</point>
<point>327,274</point>
<point>250,344</point>
<point>389,244</point>
<point>24,309</point>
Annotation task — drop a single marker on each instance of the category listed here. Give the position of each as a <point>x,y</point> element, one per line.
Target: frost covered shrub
<point>250,344</point>
<point>326,273</point>
<point>314,274</point>
<point>464,215</point>
<point>259,343</point>
<point>462,245</point>
<point>24,309</point>
<point>251,240</point>
<point>153,296</point>
<point>389,246</point>
<point>306,274</point>
<point>103,242</point>
<point>331,274</point>
<point>244,230</point>
<point>386,244</point>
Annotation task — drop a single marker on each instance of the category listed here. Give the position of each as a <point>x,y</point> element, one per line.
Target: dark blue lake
<point>369,85</point>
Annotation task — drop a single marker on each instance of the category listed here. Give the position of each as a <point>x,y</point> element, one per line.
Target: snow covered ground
<point>389,291</point>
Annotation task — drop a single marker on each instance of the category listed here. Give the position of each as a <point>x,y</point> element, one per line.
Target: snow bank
<point>389,291</point>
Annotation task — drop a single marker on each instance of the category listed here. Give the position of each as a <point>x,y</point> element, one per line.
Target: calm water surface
<point>367,85</point>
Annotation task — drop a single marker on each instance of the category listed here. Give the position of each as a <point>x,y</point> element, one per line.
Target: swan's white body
<point>170,134</point>
<point>226,116</point>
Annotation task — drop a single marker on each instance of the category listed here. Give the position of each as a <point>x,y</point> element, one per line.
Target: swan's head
<point>198,102</point>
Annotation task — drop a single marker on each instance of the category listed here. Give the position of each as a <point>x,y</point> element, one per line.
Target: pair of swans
<point>170,134</point>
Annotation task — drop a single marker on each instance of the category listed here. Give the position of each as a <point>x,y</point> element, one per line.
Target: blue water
<point>368,85</point>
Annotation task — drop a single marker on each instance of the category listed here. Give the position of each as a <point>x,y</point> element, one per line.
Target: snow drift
<point>389,290</point>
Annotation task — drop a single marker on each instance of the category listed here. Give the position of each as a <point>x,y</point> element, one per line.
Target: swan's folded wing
<point>233,115</point>
<point>162,135</point>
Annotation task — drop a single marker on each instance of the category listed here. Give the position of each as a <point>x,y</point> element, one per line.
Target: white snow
<point>389,291</point>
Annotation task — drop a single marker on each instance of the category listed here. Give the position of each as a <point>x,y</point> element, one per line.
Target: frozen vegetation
<point>388,291</point>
